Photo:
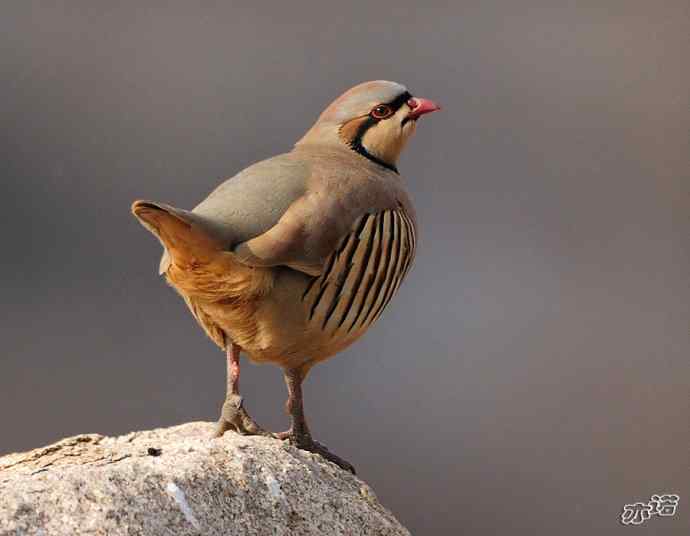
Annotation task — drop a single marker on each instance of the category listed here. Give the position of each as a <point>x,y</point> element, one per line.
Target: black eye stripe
<point>370,121</point>
<point>398,101</point>
<point>395,104</point>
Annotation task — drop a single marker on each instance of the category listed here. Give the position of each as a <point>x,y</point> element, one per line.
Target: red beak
<point>421,106</point>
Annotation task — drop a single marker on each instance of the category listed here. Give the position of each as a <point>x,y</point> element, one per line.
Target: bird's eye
<point>381,111</point>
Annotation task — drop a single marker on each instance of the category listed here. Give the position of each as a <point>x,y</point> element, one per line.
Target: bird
<point>294,258</point>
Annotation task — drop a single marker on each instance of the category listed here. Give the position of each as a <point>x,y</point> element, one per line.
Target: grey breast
<point>362,274</point>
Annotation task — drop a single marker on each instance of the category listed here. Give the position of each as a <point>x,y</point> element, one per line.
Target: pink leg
<point>233,360</point>
<point>299,434</point>
<point>233,416</point>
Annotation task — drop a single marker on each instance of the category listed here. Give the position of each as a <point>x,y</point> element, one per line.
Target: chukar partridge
<point>291,260</point>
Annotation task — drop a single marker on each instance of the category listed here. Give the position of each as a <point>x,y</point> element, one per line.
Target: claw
<point>234,417</point>
<point>221,427</point>
<point>308,444</point>
<point>282,435</point>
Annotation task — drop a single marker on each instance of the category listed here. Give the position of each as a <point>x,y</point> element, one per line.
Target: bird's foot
<point>283,435</point>
<point>305,442</point>
<point>233,416</point>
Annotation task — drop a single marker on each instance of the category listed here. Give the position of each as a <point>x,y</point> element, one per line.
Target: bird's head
<point>374,119</point>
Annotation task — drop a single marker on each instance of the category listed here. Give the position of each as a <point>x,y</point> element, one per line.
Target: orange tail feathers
<point>197,265</point>
<point>184,241</point>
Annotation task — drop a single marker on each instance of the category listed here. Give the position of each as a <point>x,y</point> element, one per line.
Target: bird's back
<point>253,201</point>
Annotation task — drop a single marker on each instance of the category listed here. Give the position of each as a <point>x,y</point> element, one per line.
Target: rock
<point>178,481</point>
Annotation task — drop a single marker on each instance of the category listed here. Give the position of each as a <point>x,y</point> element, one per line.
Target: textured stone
<point>178,481</point>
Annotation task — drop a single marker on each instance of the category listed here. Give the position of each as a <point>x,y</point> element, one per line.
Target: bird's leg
<point>233,416</point>
<point>299,434</point>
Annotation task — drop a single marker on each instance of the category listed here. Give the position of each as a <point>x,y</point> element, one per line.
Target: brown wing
<point>315,224</point>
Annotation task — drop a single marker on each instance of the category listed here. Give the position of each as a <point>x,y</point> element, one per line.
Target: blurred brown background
<point>532,375</point>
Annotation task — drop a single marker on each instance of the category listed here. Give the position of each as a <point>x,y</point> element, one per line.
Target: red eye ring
<point>381,111</point>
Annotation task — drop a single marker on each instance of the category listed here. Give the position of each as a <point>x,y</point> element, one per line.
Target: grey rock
<point>178,481</point>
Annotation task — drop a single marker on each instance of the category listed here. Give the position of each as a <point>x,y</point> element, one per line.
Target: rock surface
<point>177,481</point>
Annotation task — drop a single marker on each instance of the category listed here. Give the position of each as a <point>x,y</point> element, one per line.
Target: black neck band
<point>357,146</point>
<point>356,143</point>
